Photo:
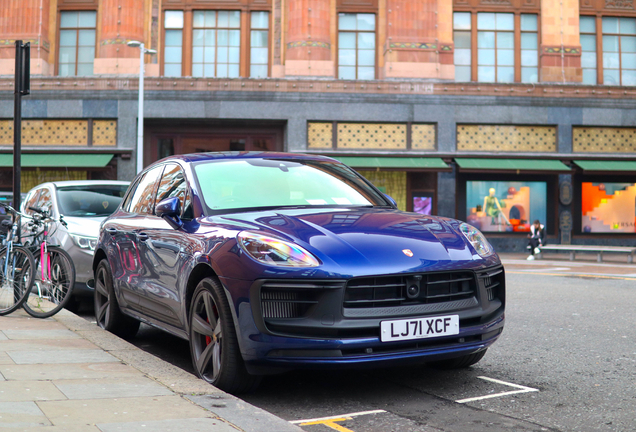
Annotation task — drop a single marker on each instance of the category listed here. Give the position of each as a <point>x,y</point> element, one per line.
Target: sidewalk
<point>64,374</point>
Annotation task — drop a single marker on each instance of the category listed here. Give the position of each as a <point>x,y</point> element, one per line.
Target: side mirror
<point>391,200</point>
<point>169,209</point>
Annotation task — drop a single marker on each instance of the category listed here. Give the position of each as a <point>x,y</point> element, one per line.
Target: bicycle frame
<point>10,237</point>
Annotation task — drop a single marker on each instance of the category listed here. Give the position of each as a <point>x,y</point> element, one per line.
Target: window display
<point>608,207</point>
<point>500,206</point>
<point>423,204</point>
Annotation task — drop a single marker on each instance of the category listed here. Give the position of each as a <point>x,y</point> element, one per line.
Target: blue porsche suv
<point>267,262</point>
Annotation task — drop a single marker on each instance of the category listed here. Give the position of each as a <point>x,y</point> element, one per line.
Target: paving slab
<point>19,391</point>
<point>247,417</point>
<point>19,320</point>
<point>65,428</point>
<point>3,337</point>
<point>108,388</point>
<point>181,425</point>
<point>40,334</point>
<point>97,411</point>
<point>70,356</point>
<point>176,379</point>
<point>5,359</point>
<point>105,340</point>
<point>44,344</point>
<point>21,415</point>
<point>63,371</point>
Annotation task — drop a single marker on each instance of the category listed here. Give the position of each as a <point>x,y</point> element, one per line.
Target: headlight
<point>84,242</point>
<point>272,250</point>
<point>477,239</point>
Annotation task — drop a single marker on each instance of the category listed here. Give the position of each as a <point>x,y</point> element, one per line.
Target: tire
<point>16,284</point>
<point>107,312</point>
<point>216,356</point>
<point>459,362</point>
<point>48,297</point>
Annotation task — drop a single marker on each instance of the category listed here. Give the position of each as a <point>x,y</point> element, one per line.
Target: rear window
<point>89,201</point>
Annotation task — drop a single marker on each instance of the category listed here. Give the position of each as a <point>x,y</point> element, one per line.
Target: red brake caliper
<point>208,339</point>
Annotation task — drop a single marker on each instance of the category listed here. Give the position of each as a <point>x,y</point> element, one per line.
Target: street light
<point>140,115</point>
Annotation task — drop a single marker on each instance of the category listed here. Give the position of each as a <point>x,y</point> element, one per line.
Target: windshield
<point>90,200</point>
<point>255,183</point>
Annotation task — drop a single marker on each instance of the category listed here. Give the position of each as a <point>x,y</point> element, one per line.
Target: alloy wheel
<point>207,337</point>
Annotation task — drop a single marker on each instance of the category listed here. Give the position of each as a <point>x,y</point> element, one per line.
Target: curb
<point>229,408</point>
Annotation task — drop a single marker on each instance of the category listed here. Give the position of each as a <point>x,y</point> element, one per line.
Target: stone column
<point>308,41</point>
<point>27,20</point>
<point>120,21</point>
<point>560,57</point>
<point>419,41</point>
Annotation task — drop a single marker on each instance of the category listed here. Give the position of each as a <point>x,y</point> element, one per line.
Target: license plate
<point>419,328</point>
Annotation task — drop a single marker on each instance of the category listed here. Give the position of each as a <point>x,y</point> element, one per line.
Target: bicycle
<point>55,276</point>
<point>17,267</point>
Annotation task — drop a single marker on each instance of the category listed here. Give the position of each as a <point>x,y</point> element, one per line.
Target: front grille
<point>403,290</point>
<point>290,299</point>
<point>493,280</point>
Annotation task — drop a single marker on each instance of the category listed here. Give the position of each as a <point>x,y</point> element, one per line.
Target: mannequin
<point>493,208</point>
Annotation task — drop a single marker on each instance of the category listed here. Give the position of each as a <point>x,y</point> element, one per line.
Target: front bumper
<point>326,334</point>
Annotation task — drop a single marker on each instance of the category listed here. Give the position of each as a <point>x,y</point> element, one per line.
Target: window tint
<point>173,184</point>
<point>144,196</point>
<point>233,184</point>
<point>88,201</point>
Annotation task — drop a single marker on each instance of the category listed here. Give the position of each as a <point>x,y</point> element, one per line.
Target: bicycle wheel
<point>17,281</point>
<point>53,291</point>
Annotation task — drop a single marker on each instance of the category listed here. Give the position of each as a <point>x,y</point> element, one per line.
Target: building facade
<point>498,112</point>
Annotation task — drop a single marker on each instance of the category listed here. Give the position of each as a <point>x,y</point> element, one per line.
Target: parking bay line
<point>523,389</point>
<point>331,421</point>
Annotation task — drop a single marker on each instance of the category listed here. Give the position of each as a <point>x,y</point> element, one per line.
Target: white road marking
<point>361,413</point>
<point>523,389</point>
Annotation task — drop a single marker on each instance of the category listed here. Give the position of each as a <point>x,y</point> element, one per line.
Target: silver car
<point>84,205</point>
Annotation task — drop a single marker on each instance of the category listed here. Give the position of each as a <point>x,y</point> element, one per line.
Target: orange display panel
<point>608,207</point>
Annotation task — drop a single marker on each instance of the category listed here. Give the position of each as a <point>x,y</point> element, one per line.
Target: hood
<point>381,238</point>
<point>84,226</point>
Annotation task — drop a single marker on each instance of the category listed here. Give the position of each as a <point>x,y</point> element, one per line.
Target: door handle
<point>111,231</point>
<point>142,236</point>
<point>168,246</point>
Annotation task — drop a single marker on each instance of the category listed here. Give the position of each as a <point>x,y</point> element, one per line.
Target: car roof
<point>200,157</point>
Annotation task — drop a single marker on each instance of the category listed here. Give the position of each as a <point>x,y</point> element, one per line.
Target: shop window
<point>77,43</point>
<point>259,42</point>
<point>529,48</point>
<point>463,51</point>
<point>603,140</point>
<point>173,50</point>
<point>423,203</point>
<point>619,51</point>
<point>508,138</point>
<point>356,46</point>
<point>505,206</point>
<point>320,135</point>
<point>588,49</point>
<point>392,183</point>
<point>216,44</point>
<point>608,207</point>
<point>496,46</point>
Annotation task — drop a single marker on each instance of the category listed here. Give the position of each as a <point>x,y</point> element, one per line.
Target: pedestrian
<point>536,239</point>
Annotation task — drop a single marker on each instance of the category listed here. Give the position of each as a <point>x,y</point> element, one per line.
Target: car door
<point>130,271</point>
<point>167,248</point>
